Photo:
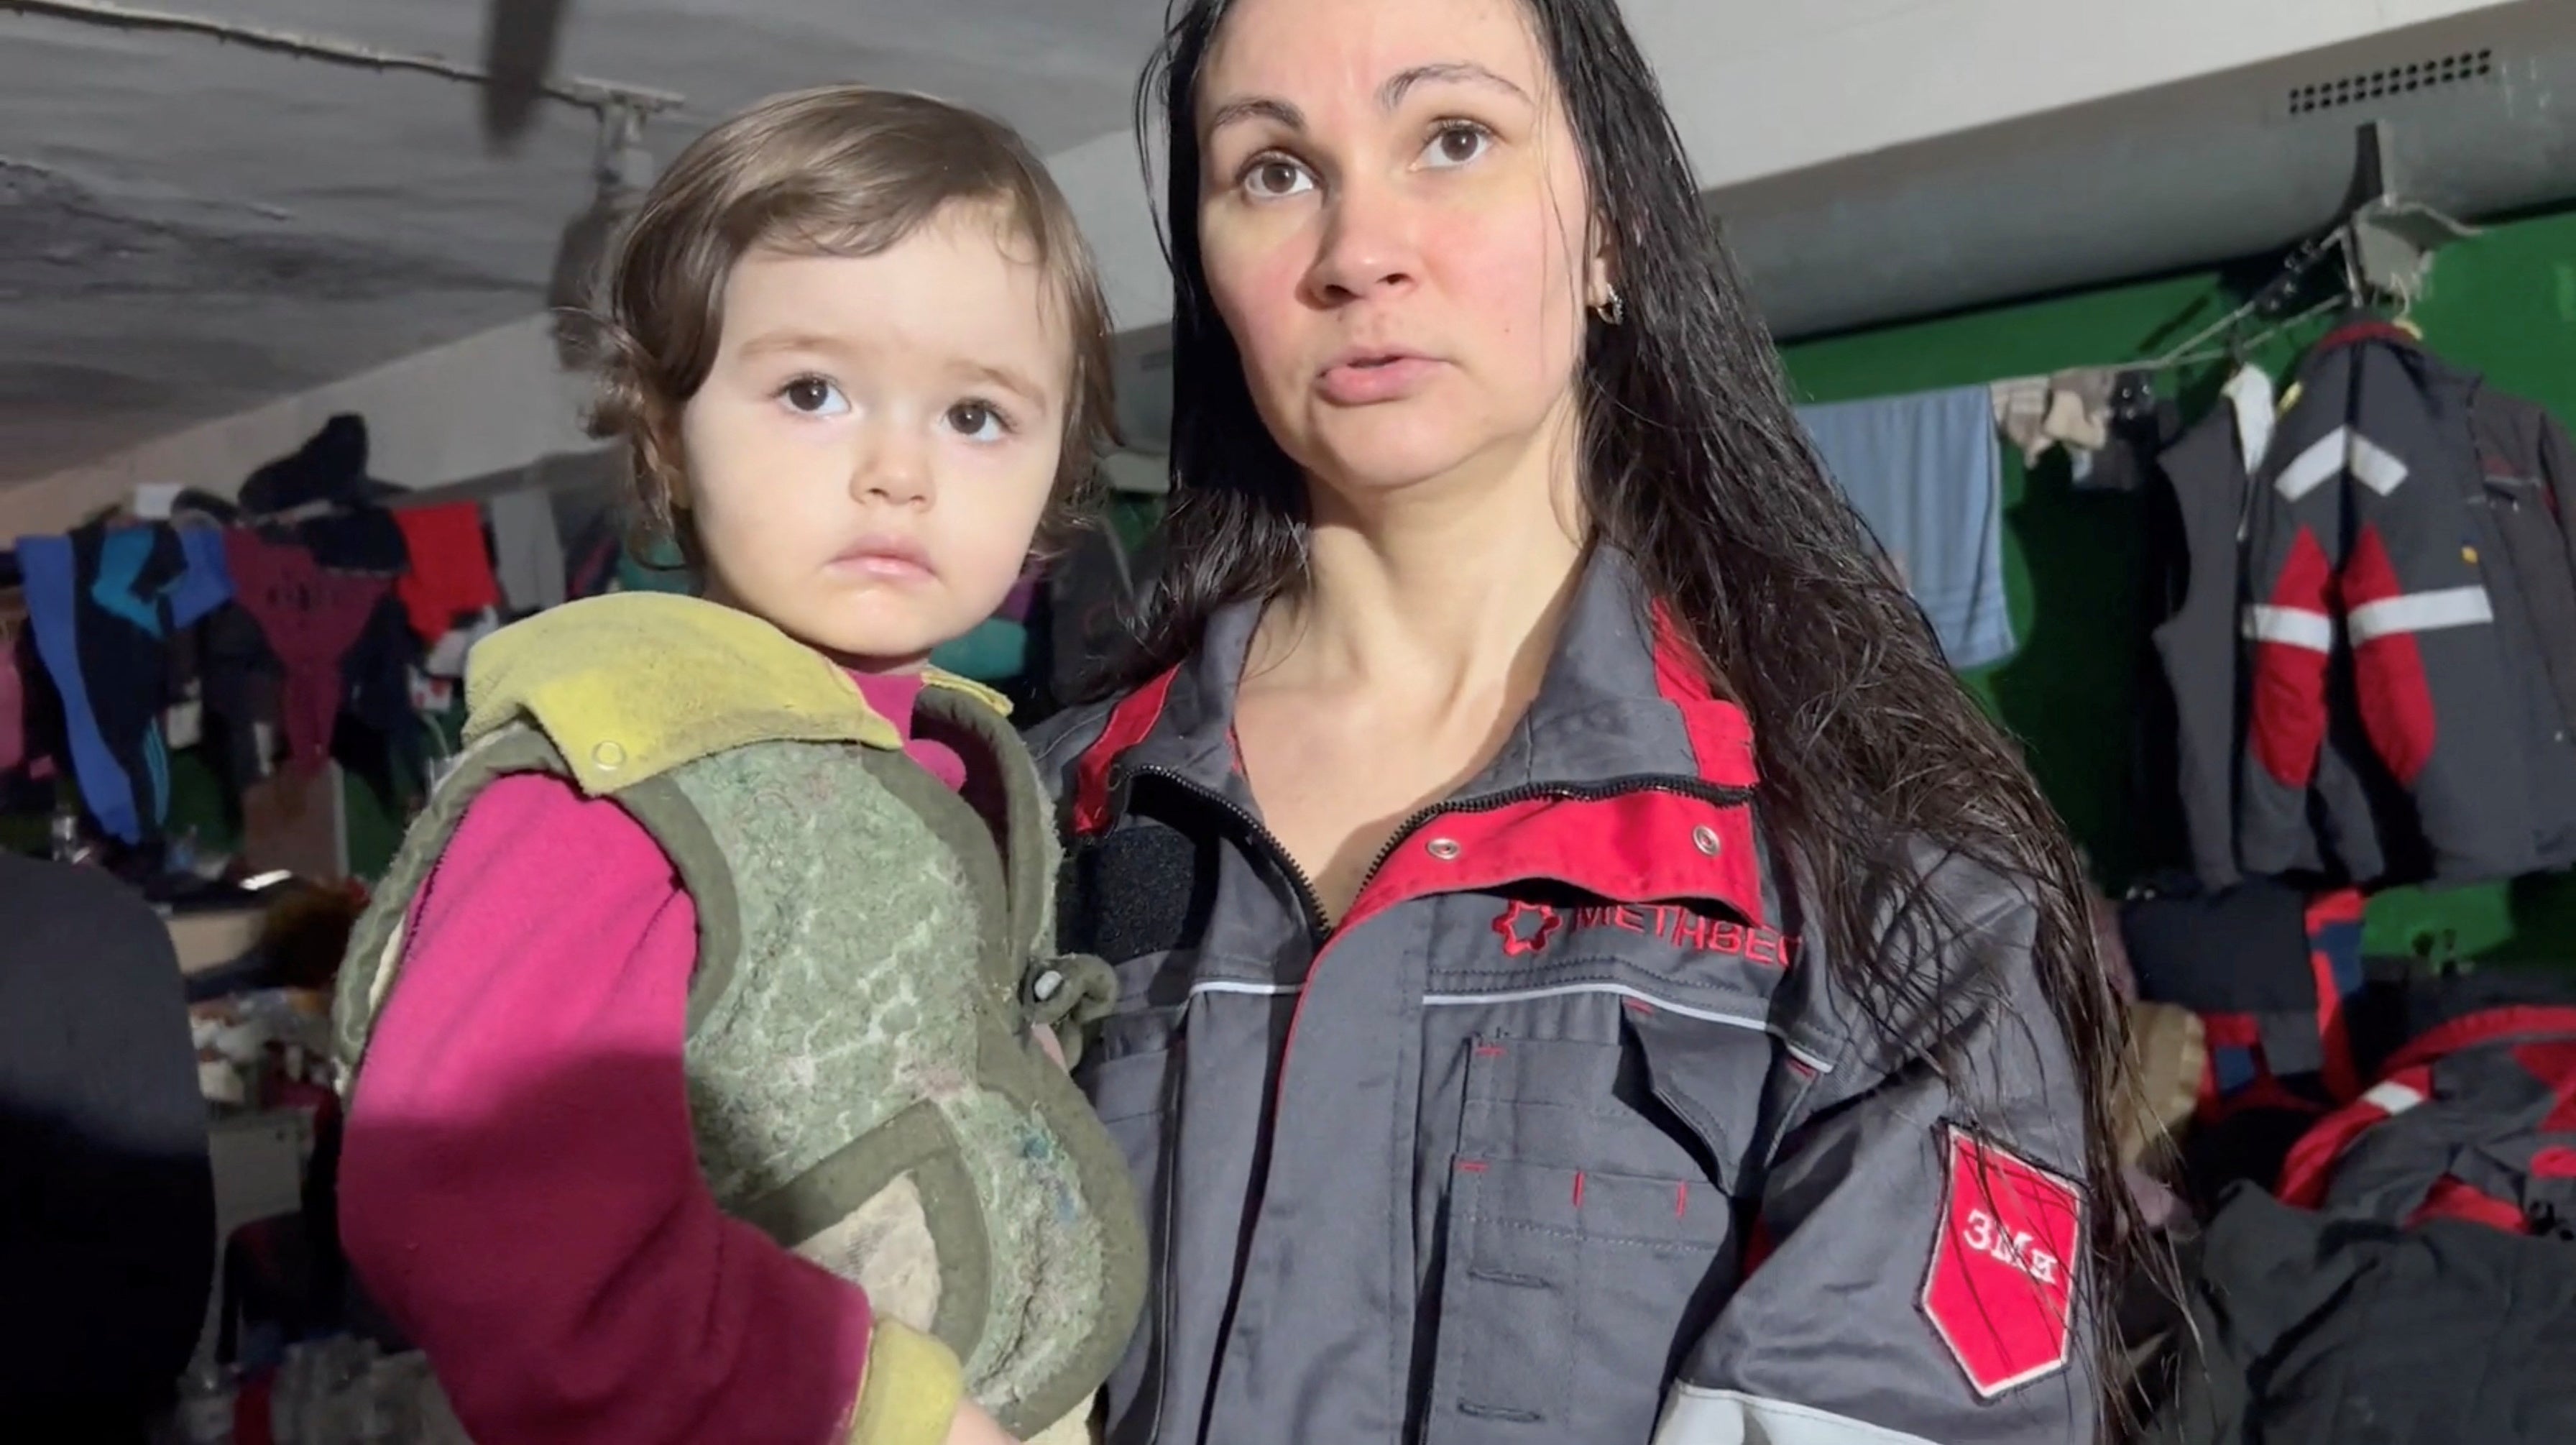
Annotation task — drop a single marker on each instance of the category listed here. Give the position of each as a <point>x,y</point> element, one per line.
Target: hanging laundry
<point>2141,425</point>
<point>100,604</point>
<point>2196,642</point>
<point>2447,757</point>
<point>1925,473</point>
<point>451,567</point>
<point>378,735</point>
<point>321,497</point>
<point>527,550</point>
<point>310,619</point>
<point>242,685</point>
<point>2250,398</point>
<point>2021,414</point>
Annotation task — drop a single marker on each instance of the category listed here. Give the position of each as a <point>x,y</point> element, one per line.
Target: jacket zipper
<point>1320,924</point>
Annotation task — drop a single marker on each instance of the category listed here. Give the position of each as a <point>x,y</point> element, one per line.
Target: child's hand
<point>972,1426</point>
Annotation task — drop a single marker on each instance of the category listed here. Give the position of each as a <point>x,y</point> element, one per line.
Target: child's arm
<point>519,1187</point>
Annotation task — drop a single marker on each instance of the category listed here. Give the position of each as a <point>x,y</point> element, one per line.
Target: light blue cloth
<point>1927,475</point>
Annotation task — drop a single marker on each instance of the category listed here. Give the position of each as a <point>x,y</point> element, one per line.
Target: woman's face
<point>1395,227</point>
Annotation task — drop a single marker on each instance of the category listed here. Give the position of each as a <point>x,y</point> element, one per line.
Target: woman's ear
<point>1600,285</point>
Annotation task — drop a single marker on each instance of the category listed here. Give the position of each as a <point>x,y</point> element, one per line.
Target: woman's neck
<point>1446,589</point>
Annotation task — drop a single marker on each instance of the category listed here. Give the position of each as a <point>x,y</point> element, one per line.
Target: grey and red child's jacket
<point>1566,1131</point>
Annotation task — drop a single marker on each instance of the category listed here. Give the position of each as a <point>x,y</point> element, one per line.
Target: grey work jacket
<point>1562,1133</point>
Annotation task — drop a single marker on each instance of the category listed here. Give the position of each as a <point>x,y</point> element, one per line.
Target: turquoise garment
<point>996,651</point>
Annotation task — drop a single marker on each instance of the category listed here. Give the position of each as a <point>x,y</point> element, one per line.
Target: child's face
<point>873,448</point>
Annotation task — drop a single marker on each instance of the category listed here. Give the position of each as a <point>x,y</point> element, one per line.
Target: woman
<point>1588,972</point>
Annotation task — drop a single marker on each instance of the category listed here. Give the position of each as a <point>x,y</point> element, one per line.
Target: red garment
<point>451,567</point>
<point>519,1187</point>
<point>895,695</point>
<point>311,618</point>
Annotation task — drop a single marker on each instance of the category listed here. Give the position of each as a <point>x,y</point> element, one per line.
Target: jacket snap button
<point>609,756</point>
<point>1046,985</point>
<point>1444,849</point>
<point>1705,839</point>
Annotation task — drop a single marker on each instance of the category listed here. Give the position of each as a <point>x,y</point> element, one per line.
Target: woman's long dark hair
<point>1694,464</point>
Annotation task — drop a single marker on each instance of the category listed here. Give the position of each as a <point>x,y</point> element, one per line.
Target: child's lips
<point>886,558</point>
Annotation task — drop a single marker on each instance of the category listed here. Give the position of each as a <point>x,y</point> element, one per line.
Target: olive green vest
<point>860,1073</point>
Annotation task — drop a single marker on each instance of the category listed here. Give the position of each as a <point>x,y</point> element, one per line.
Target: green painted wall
<point>2503,302</point>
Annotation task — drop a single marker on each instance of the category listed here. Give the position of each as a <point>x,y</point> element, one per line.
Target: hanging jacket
<point>875,1108</point>
<point>2527,486</point>
<point>1565,1131</point>
<point>2196,643</point>
<point>2385,738</point>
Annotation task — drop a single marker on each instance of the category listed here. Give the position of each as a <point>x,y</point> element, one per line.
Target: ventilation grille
<point>2463,68</point>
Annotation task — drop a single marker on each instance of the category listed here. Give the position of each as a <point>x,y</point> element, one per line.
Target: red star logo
<point>1516,942</point>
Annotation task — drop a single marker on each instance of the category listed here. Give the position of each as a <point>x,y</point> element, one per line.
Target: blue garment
<point>52,582</point>
<point>118,755</point>
<point>1927,475</point>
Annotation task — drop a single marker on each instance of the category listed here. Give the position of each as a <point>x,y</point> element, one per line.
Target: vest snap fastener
<point>1705,839</point>
<point>608,755</point>
<point>1444,849</point>
<point>1046,985</point>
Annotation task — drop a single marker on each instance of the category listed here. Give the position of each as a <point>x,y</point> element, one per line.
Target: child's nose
<point>895,471</point>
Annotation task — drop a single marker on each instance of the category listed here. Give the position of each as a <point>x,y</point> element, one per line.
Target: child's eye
<point>1272,177</point>
<point>979,421</point>
<point>813,396</point>
<point>1456,143</point>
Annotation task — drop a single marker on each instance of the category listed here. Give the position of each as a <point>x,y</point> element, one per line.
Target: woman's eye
<point>1456,144</point>
<point>813,396</point>
<point>1271,177</point>
<point>978,421</point>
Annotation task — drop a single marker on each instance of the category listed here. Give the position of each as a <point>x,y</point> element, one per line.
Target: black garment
<point>2241,950</point>
<point>241,682</point>
<point>379,732</point>
<point>2140,426</point>
<point>321,496</point>
<point>125,669</point>
<point>2342,1332</point>
<point>107,1218</point>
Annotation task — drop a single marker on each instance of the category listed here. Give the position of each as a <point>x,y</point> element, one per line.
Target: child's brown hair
<point>845,171</point>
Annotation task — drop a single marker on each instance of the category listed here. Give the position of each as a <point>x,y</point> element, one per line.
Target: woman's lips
<point>1364,379</point>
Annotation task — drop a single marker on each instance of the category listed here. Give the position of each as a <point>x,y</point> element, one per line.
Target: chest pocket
<point>1590,1229</point>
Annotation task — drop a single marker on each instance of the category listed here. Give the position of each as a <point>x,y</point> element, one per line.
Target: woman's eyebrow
<point>1259,107</point>
<point>1390,95</point>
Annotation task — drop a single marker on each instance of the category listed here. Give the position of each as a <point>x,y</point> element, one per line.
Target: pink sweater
<point>519,1188</point>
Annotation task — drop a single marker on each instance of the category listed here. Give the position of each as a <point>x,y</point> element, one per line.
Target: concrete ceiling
<point>189,228</point>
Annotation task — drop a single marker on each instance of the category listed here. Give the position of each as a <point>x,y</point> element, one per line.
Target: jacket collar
<point>1619,702</point>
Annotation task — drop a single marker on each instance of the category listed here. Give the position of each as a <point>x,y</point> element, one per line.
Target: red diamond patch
<point>2001,1289</point>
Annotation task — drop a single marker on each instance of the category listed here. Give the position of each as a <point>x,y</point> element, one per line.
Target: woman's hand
<point>973,1427</point>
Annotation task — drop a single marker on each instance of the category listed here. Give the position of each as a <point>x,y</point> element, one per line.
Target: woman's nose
<point>1367,247</point>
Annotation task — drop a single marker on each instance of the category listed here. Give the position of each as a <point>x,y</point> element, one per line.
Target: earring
<point>1612,311</point>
